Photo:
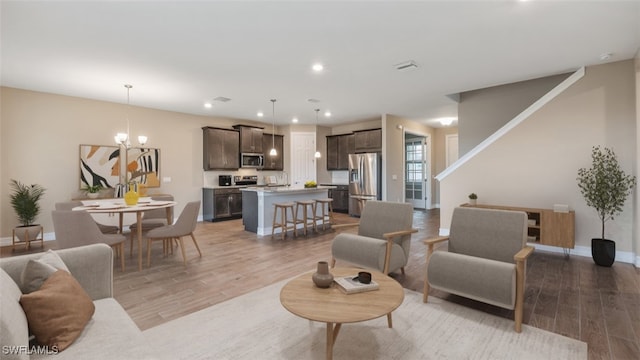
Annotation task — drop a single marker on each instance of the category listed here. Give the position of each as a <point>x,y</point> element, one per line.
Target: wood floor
<point>572,297</point>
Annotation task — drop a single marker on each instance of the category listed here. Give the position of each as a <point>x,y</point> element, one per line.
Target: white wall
<point>535,165</point>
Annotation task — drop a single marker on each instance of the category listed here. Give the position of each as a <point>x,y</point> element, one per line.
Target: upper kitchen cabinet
<point>273,162</point>
<point>338,149</point>
<point>250,139</point>
<point>220,149</point>
<point>368,140</point>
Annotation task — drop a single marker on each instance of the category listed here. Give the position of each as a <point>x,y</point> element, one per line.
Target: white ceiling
<point>179,55</point>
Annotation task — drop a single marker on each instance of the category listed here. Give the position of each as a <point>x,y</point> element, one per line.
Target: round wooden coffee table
<point>332,306</point>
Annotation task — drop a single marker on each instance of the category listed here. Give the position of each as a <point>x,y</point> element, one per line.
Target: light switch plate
<point>166,179</point>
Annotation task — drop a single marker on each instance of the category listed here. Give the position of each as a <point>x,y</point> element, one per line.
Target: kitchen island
<point>257,204</point>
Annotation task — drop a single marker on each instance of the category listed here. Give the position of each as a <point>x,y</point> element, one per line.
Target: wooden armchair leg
<point>519,308</point>
<point>333,262</point>
<point>425,291</point>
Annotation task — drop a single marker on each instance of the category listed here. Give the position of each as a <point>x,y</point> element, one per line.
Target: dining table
<point>118,206</point>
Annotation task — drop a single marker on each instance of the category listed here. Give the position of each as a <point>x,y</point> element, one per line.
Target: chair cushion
<point>14,330</point>
<point>58,312</point>
<point>490,281</point>
<point>380,217</point>
<point>488,233</point>
<point>367,252</point>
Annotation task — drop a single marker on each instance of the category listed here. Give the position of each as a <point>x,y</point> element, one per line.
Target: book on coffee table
<point>351,285</point>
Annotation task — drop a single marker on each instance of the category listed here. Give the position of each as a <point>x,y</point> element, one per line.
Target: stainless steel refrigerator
<point>365,180</point>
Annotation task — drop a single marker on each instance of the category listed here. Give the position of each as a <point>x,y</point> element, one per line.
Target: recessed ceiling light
<point>317,67</point>
<point>327,113</point>
<point>260,114</point>
<point>294,120</point>
<point>208,105</point>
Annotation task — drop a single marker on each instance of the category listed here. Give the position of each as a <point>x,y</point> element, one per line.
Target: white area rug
<point>256,326</point>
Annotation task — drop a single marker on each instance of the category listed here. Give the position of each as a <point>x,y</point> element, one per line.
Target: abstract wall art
<point>99,165</point>
<point>143,166</point>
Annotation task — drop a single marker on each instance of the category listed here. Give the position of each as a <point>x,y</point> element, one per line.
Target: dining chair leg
<point>131,244</point>
<point>184,255</point>
<point>149,252</point>
<point>196,244</point>
<point>122,255</point>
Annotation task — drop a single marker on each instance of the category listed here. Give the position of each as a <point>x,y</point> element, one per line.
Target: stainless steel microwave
<point>248,160</point>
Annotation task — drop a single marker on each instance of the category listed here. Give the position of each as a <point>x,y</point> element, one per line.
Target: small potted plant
<point>25,202</point>
<point>93,191</point>
<point>605,187</point>
<point>473,198</point>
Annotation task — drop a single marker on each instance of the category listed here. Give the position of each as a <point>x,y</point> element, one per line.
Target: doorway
<point>417,188</point>
<point>303,161</point>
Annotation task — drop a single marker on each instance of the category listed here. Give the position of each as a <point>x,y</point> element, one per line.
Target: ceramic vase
<point>322,277</point>
<point>131,197</point>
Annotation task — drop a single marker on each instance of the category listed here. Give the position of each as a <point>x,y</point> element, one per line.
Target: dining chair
<point>69,205</point>
<point>77,228</point>
<point>151,219</point>
<point>185,225</point>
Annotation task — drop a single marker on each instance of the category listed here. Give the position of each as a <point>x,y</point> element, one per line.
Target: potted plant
<point>473,198</point>
<point>25,202</point>
<point>605,187</point>
<point>93,191</point>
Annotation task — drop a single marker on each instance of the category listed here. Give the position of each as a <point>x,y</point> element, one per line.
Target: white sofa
<point>110,334</point>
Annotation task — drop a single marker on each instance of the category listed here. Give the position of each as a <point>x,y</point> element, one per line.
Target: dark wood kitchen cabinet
<point>368,140</point>
<point>273,162</point>
<point>338,149</point>
<point>250,139</point>
<point>220,149</point>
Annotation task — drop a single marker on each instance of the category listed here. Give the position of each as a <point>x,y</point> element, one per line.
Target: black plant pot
<point>603,252</point>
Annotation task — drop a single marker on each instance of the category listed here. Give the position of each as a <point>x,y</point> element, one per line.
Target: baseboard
<point>584,251</point>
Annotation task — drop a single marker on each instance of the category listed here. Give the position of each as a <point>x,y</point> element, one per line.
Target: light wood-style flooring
<point>569,296</point>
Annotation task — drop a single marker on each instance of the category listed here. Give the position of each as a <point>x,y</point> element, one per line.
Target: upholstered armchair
<point>383,240</point>
<point>486,259</point>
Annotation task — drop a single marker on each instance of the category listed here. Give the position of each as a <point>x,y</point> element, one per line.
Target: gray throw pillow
<point>36,272</point>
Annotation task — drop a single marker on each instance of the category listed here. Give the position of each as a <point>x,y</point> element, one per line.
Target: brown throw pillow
<point>58,312</point>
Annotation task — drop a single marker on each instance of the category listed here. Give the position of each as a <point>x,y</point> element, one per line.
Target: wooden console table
<point>546,227</point>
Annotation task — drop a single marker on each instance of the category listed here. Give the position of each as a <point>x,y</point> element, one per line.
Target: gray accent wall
<point>482,112</point>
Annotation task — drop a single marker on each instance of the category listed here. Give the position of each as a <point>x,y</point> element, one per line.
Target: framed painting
<point>99,165</point>
<point>143,166</point>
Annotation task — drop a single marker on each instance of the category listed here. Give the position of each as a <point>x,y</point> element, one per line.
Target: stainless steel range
<point>245,180</point>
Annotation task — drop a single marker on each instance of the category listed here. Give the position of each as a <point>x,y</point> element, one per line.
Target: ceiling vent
<point>313,100</point>
<point>222,99</point>
<point>406,66</point>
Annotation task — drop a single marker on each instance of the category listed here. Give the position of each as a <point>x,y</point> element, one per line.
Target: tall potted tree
<point>25,202</point>
<point>605,187</point>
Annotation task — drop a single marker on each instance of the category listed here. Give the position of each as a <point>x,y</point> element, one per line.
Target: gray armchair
<point>383,241</point>
<point>486,260</point>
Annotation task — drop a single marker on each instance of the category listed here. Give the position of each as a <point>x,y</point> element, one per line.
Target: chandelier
<point>124,138</point>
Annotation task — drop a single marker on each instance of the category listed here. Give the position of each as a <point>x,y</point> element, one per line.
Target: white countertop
<point>285,189</point>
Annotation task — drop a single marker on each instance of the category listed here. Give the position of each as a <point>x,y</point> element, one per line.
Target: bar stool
<point>306,216</point>
<point>326,208</point>
<point>285,224</point>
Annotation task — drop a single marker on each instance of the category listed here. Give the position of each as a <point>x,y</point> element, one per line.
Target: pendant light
<point>273,151</point>
<point>317,155</point>
<point>123,138</point>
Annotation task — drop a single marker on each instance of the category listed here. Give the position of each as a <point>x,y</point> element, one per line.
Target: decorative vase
<point>603,252</point>
<point>473,202</point>
<point>131,197</point>
<point>93,195</point>
<point>322,277</point>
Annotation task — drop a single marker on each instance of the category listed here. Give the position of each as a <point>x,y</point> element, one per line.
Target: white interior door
<point>303,161</point>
